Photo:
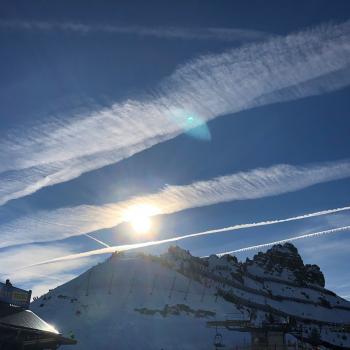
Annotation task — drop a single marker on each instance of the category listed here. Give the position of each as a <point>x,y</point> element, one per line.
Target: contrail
<point>127,247</point>
<point>308,63</point>
<point>291,239</point>
<point>97,240</point>
<point>45,226</point>
<point>223,34</point>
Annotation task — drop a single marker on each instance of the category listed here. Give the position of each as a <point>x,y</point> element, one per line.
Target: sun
<point>139,217</point>
<point>141,224</point>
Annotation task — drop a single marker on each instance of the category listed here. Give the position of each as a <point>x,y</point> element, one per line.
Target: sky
<point>202,115</point>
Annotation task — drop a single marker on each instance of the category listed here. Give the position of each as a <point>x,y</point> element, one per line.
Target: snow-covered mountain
<point>165,302</point>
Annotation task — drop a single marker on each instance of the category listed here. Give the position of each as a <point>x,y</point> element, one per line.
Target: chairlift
<point>218,340</point>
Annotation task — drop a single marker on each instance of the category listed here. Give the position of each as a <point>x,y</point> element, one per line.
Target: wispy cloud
<point>40,278</point>
<point>329,248</point>
<point>298,65</point>
<point>258,183</point>
<point>194,33</point>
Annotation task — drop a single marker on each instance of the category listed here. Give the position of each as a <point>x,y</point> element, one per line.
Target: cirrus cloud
<point>307,63</point>
<point>62,223</point>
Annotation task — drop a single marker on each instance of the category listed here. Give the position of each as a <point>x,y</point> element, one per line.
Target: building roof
<point>28,320</point>
<point>34,333</point>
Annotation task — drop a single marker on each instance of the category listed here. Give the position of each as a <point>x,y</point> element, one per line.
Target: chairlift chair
<point>218,340</point>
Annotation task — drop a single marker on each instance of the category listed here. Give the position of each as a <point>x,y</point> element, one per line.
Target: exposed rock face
<point>281,261</point>
<point>285,260</point>
<point>314,275</point>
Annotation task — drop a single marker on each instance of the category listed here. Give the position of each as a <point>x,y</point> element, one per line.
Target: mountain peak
<point>284,262</point>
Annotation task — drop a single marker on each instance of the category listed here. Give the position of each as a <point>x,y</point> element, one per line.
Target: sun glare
<point>141,224</point>
<point>139,217</point>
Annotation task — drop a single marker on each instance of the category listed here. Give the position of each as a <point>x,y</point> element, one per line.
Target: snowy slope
<point>165,302</point>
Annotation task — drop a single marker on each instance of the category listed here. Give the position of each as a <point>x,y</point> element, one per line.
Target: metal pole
<point>88,283</point>
<point>203,293</point>
<point>132,282</point>
<point>111,284</point>
<point>188,289</point>
<point>172,287</point>
<point>153,284</point>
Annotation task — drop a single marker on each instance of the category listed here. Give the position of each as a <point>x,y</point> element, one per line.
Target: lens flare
<point>192,124</point>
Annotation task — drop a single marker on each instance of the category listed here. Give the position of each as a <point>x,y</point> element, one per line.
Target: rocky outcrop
<point>313,274</point>
<point>284,261</point>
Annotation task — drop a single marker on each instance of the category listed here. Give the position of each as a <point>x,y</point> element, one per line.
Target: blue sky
<point>219,113</point>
